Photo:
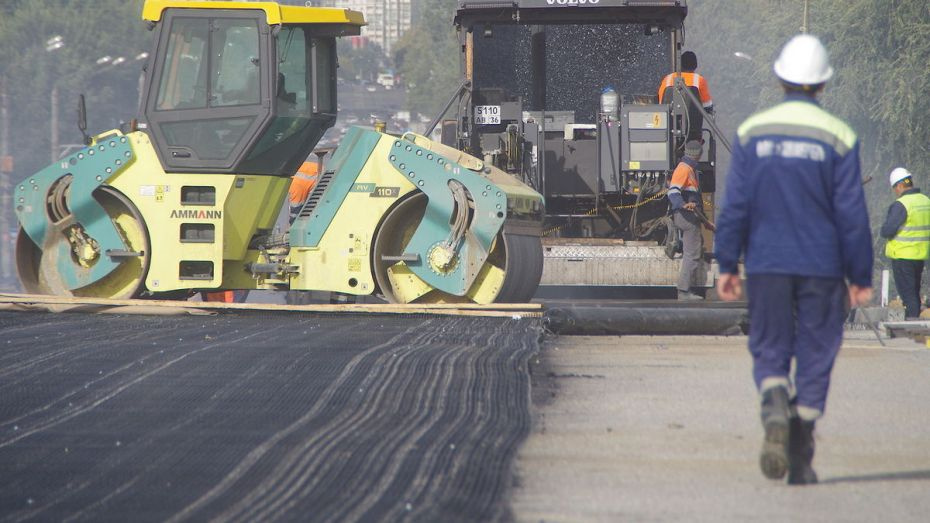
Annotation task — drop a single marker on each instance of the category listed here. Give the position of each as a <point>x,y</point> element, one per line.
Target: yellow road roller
<point>237,95</point>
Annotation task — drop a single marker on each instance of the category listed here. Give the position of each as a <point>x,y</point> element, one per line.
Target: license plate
<point>487,115</point>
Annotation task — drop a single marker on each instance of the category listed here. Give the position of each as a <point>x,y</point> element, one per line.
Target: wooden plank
<point>497,310</point>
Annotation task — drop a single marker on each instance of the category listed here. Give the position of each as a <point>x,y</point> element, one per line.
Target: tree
<point>90,30</point>
<point>363,63</point>
<point>428,57</point>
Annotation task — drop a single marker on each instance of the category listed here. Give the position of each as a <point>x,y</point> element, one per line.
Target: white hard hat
<point>804,61</point>
<point>897,175</point>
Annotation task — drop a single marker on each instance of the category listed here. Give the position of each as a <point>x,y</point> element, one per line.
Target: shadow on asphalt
<point>890,476</point>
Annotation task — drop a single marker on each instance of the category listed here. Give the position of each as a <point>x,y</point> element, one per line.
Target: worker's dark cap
<point>694,149</point>
<point>688,61</point>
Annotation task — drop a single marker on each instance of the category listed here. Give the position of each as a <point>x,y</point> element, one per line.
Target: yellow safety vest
<point>913,239</point>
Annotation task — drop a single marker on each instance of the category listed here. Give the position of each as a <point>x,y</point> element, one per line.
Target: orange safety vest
<point>220,296</point>
<point>691,80</point>
<point>685,179</point>
<point>303,182</point>
<point>225,296</point>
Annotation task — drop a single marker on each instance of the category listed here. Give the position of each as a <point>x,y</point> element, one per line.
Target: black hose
<point>699,320</point>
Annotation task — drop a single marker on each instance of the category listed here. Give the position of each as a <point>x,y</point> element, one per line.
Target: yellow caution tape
<point>594,212</point>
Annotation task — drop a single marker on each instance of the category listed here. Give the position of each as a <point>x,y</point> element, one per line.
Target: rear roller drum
<point>522,262</point>
<point>510,274</point>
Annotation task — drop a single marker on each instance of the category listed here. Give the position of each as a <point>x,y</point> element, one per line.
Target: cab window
<point>236,69</point>
<point>305,100</point>
<point>293,89</point>
<point>324,72</point>
<point>231,59</point>
<point>184,82</point>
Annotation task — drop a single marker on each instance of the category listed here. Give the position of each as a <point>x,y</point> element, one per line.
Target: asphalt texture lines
<point>261,417</point>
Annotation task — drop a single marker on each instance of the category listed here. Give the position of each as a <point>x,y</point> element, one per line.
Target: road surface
<point>667,429</point>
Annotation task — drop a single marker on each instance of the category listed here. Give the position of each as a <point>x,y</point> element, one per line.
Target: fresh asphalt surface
<point>260,417</point>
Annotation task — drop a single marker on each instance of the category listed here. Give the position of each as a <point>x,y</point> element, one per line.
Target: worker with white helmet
<point>907,229</point>
<point>795,209</point>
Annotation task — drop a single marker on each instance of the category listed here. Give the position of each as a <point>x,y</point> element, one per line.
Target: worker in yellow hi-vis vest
<point>907,228</point>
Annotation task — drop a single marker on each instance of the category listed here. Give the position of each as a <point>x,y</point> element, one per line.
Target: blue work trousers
<point>907,275</point>
<point>796,317</point>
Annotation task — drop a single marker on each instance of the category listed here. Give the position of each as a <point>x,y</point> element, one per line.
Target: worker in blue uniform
<point>907,229</point>
<point>795,209</point>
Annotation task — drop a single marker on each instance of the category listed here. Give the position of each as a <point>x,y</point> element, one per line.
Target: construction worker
<point>689,64</point>
<point>301,185</point>
<point>684,196</point>
<point>795,207</point>
<point>697,84</point>
<point>907,229</point>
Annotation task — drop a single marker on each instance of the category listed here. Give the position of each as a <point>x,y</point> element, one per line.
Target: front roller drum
<point>40,269</point>
<point>510,274</point>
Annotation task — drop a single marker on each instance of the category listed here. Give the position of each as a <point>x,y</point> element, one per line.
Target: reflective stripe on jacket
<point>302,183</point>
<point>913,239</point>
<point>684,186</point>
<point>691,80</point>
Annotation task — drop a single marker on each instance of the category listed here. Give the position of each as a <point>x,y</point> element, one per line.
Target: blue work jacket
<point>794,203</point>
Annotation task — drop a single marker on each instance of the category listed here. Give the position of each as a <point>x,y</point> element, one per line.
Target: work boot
<point>773,460</point>
<point>801,452</point>
<point>688,296</point>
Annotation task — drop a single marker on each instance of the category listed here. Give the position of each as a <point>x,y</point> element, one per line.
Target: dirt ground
<point>667,429</point>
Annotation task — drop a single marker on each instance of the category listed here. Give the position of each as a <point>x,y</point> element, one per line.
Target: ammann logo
<point>193,214</point>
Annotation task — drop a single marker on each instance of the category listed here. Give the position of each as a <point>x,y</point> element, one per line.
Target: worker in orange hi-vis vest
<point>689,65</point>
<point>698,85</point>
<point>684,197</point>
<point>301,184</point>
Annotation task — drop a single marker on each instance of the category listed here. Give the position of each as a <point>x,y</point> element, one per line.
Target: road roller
<point>186,197</point>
